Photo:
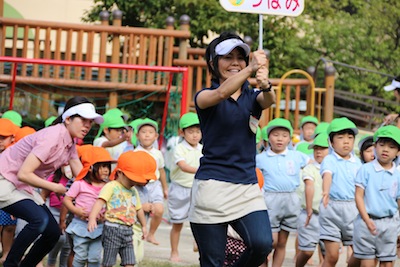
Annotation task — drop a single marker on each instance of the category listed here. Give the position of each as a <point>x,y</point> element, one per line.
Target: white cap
<point>225,47</point>
<point>85,110</point>
<point>395,84</point>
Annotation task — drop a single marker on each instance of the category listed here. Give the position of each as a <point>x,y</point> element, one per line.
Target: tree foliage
<point>364,33</point>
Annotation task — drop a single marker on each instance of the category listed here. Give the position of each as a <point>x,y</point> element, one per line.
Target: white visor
<point>85,110</point>
<point>225,47</point>
<point>395,84</point>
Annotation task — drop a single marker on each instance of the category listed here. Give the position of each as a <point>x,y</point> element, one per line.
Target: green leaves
<point>356,32</point>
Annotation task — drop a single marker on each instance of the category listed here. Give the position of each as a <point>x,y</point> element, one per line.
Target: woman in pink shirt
<point>24,167</point>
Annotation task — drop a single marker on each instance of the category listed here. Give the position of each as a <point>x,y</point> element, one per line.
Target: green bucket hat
<point>363,139</point>
<point>340,124</point>
<point>322,127</point>
<point>307,119</point>
<point>134,124</point>
<point>258,134</point>
<point>303,147</point>
<point>264,133</point>
<point>146,121</point>
<point>279,123</point>
<point>321,140</point>
<point>49,121</point>
<point>389,131</point>
<point>13,116</point>
<point>110,115</point>
<point>188,119</point>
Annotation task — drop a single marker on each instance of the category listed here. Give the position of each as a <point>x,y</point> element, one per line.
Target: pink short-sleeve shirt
<point>53,146</point>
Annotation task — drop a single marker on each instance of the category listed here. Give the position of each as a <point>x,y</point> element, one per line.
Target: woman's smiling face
<point>230,64</point>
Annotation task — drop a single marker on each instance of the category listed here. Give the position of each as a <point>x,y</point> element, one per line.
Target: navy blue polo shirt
<point>228,142</point>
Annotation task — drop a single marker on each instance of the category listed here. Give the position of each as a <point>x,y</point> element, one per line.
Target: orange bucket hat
<point>260,178</point>
<point>24,131</point>
<point>139,166</point>
<point>90,156</point>
<point>7,127</point>
<point>82,149</point>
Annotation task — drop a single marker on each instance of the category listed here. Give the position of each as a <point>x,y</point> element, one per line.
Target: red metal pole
<point>164,118</point>
<point>14,74</point>
<point>184,103</point>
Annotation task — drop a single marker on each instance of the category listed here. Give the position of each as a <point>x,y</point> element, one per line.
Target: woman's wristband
<point>268,89</point>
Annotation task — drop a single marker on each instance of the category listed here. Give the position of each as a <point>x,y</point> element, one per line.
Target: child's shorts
<point>178,203</point>
<point>283,210</point>
<point>155,192</point>
<point>308,237</point>
<point>336,221</point>
<point>381,246</point>
<point>5,219</point>
<point>117,239</point>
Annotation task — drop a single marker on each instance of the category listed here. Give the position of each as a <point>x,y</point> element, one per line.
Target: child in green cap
<point>114,138</point>
<point>378,200</point>
<point>338,210</point>
<point>308,225</point>
<point>147,134</point>
<point>307,128</point>
<point>281,170</point>
<point>366,148</point>
<point>187,156</point>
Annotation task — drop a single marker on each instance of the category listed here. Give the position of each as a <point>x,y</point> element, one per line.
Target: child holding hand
<point>134,168</point>
<point>187,156</point>
<point>85,189</point>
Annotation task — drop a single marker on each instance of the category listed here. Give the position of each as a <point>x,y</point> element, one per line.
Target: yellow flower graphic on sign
<point>236,2</point>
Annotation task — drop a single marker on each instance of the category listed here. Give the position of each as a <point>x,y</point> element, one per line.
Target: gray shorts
<point>155,192</point>
<point>381,246</point>
<point>308,237</point>
<point>336,221</point>
<point>178,203</point>
<point>283,210</point>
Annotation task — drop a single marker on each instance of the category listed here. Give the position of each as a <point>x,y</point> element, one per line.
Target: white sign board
<point>270,7</point>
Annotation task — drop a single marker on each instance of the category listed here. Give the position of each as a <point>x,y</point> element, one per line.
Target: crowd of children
<point>319,188</point>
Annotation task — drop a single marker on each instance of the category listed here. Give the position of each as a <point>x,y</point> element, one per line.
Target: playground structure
<point>97,60</point>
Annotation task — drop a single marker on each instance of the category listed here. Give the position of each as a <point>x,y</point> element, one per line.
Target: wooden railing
<point>88,43</point>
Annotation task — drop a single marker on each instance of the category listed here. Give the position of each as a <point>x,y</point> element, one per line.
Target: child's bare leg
<point>158,210</point>
<point>303,257</point>
<point>332,253</point>
<point>370,263</point>
<point>7,238</point>
<point>385,264</point>
<point>320,256</point>
<point>174,239</point>
<point>353,262</point>
<point>280,250</point>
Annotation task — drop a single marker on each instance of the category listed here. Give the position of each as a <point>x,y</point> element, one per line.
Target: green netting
<point>136,104</point>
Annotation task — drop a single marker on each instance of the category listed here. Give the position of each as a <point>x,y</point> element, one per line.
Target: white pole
<point>260,31</point>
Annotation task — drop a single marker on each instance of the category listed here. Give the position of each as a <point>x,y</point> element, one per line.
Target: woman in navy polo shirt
<point>225,191</point>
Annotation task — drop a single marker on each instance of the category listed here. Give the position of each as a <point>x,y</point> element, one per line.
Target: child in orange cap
<point>24,131</point>
<point>7,137</point>
<point>7,133</point>
<point>123,206</point>
<point>88,183</point>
